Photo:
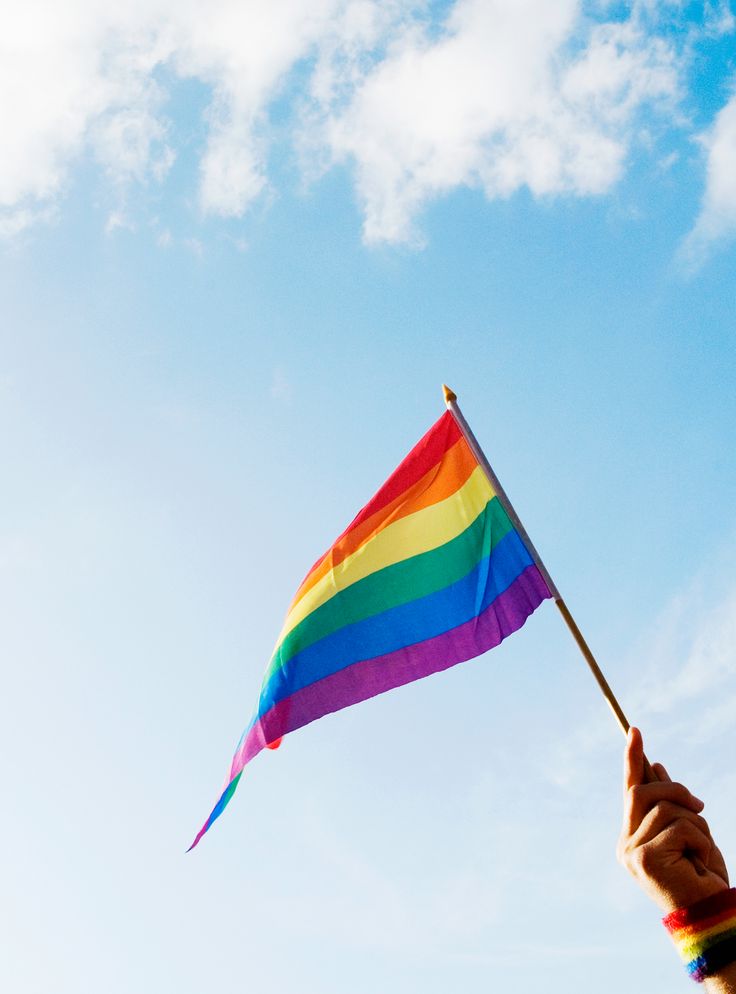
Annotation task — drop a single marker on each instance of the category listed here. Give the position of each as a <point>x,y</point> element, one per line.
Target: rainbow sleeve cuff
<point>705,933</point>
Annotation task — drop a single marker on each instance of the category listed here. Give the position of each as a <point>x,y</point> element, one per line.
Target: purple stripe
<point>253,743</point>
<point>370,677</point>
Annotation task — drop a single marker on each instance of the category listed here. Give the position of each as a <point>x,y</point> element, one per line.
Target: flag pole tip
<point>450,395</point>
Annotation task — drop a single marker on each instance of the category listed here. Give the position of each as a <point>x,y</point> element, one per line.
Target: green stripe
<point>398,584</point>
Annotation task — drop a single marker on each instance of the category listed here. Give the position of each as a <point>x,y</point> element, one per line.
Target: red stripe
<point>702,924</point>
<point>428,451</point>
<point>709,909</point>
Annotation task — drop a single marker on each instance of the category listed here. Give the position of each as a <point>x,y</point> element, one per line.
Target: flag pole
<point>453,408</point>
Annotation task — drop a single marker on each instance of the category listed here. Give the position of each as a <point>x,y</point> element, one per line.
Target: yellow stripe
<point>692,945</point>
<point>416,533</point>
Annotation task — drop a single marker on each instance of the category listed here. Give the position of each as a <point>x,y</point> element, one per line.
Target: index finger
<point>661,772</point>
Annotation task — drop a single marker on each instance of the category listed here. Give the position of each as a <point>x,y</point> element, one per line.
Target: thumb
<point>633,760</point>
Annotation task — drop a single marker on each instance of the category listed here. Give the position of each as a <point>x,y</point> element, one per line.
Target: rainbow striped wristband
<point>705,933</point>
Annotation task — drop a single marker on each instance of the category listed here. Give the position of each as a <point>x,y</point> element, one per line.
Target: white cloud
<point>14,222</point>
<point>195,246</point>
<point>502,94</point>
<point>719,18</point>
<point>717,217</point>
<point>74,78</point>
<point>497,102</point>
<point>244,52</point>
<point>117,221</point>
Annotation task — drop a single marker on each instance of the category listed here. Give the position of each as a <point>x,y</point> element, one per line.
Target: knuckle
<point>633,859</point>
<point>646,860</point>
<point>628,858</point>
<point>675,830</point>
<point>683,831</point>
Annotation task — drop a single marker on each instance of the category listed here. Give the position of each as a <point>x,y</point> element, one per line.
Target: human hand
<point>665,843</point>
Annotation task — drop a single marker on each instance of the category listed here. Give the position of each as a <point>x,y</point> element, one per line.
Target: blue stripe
<point>404,625</point>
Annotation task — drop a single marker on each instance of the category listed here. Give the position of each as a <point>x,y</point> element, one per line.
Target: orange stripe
<point>428,451</point>
<point>444,479</point>
<point>704,924</point>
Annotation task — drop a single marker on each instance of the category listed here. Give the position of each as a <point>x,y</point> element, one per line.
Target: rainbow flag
<point>430,573</point>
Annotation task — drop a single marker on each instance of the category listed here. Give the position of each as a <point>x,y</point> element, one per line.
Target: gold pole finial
<point>450,395</point>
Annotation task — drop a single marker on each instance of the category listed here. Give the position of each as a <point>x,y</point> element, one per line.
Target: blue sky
<point>242,249</point>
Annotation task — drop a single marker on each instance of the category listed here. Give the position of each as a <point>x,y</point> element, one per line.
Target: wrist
<point>705,933</point>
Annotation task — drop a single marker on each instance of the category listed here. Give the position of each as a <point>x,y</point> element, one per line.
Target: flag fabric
<point>430,573</point>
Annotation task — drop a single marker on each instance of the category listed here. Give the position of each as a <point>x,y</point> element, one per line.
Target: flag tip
<point>450,395</point>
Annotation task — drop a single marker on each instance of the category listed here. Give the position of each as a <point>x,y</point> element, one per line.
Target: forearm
<point>723,983</point>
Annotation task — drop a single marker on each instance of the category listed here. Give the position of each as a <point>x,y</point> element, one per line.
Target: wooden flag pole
<point>452,406</point>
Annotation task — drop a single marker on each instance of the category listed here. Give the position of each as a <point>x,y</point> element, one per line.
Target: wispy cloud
<point>719,18</point>
<point>117,221</point>
<point>195,246</point>
<point>717,219</point>
<point>683,665</point>
<point>691,656</point>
